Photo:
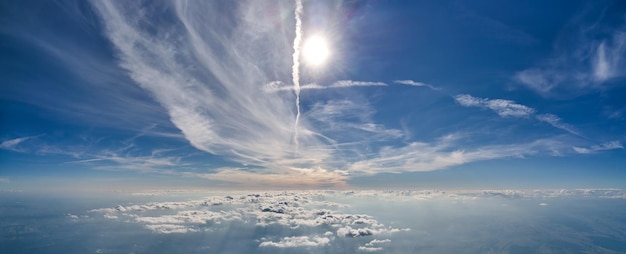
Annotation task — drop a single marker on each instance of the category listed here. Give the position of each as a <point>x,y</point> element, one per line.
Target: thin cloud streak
<point>557,123</point>
<point>508,108</point>
<point>597,148</point>
<point>12,144</point>
<point>276,86</point>
<point>296,68</point>
<point>445,153</point>
<point>415,83</point>
<point>504,108</point>
<point>588,66</point>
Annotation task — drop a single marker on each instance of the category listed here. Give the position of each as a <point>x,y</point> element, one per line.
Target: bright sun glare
<point>315,51</point>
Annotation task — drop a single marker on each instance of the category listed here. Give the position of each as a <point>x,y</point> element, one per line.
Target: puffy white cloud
<point>376,241</point>
<point>372,246</point>
<point>170,228</point>
<point>377,229</point>
<point>370,249</point>
<point>297,211</point>
<point>297,241</point>
<point>348,231</point>
<point>306,219</point>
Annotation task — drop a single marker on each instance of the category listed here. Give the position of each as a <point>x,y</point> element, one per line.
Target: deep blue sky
<point>436,94</point>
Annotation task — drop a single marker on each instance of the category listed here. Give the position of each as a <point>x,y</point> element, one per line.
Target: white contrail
<point>295,74</point>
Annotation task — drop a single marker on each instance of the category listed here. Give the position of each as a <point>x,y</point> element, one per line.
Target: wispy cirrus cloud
<point>504,108</point>
<point>219,110</point>
<point>275,86</point>
<point>415,83</point>
<point>445,153</point>
<point>592,62</point>
<point>597,148</point>
<point>208,75</point>
<point>13,144</point>
<point>557,122</point>
<point>508,108</point>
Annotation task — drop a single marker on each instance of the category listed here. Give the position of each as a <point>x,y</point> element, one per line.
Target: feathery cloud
<point>508,108</point>
<point>597,148</point>
<point>504,108</point>
<point>414,83</point>
<point>276,86</point>
<point>594,61</point>
<point>557,123</point>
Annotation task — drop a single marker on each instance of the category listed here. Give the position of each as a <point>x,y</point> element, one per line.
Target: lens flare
<point>315,51</point>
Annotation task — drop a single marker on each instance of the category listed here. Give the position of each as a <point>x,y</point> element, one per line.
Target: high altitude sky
<point>312,94</point>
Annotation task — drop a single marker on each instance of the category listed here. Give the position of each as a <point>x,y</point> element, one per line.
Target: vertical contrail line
<point>295,69</point>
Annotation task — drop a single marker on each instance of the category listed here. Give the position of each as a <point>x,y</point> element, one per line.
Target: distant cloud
<point>287,179</point>
<point>12,144</point>
<point>415,83</point>
<point>373,245</point>
<point>350,232</point>
<point>4,180</point>
<point>597,148</point>
<point>280,213</point>
<point>557,123</point>
<point>305,219</point>
<point>422,157</point>
<point>297,241</point>
<point>376,241</point>
<point>587,66</point>
<point>153,163</point>
<point>508,108</point>
<point>504,108</point>
<point>369,249</point>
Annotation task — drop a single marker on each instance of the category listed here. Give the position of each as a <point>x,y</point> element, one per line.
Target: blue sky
<point>446,94</point>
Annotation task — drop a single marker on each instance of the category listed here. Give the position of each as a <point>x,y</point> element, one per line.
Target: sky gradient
<point>215,94</point>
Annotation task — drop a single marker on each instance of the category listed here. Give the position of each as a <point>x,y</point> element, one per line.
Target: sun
<point>315,50</point>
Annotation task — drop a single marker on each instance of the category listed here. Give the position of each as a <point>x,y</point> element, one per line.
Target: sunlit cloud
<point>275,86</point>
<point>282,212</point>
<point>220,111</point>
<point>220,84</point>
<point>415,83</point>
